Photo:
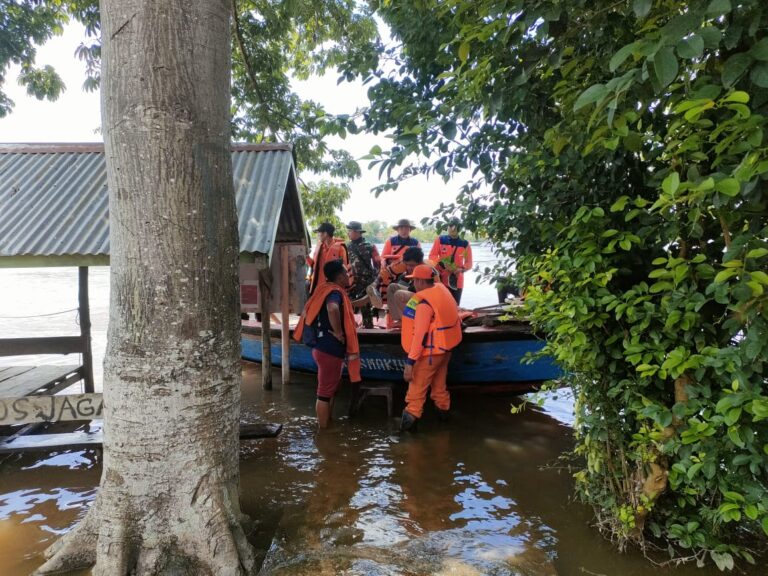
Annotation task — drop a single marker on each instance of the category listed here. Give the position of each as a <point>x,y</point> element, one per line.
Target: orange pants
<point>428,372</point>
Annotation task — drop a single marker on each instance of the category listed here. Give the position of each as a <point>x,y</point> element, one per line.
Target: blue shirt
<point>326,342</point>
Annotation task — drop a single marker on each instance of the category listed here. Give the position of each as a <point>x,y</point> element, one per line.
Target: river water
<point>484,494</point>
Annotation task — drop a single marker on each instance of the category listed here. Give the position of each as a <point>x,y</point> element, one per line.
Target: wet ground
<point>483,494</point>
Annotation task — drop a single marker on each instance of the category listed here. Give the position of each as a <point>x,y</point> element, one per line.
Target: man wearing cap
<point>453,256</point>
<point>364,263</point>
<point>328,315</point>
<point>431,330</point>
<point>328,248</point>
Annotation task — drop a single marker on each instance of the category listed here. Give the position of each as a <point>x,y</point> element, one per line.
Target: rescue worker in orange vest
<point>328,249</point>
<point>431,329</point>
<point>453,256</point>
<point>395,245</point>
<point>329,318</point>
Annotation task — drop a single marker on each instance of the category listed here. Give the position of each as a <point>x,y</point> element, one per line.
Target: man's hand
<point>408,373</point>
<point>339,336</point>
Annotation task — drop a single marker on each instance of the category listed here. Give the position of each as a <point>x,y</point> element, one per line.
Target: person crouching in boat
<point>431,330</point>
<point>392,254</point>
<point>401,290</point>
<point>327,325</point>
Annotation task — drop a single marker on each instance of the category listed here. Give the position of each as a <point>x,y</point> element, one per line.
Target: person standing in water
<point>431,329</point>
<point>327,325</point>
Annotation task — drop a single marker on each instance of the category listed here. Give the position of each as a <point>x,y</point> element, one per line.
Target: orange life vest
<point>336,251</point>
<point>444,332</point>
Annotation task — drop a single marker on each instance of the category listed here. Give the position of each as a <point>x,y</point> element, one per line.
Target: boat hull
<point>485,357</point>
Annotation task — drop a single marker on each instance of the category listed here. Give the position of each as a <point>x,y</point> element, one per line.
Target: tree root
<point>76,550</point>
<point>206,538</point>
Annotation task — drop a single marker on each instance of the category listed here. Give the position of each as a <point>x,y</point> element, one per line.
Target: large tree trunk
<point>168,500</point>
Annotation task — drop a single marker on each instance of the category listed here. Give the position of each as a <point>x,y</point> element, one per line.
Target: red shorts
<point>328,374</point>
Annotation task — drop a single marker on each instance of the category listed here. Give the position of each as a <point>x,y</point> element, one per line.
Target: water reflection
<point>476,496</point>
<point>41,497</point>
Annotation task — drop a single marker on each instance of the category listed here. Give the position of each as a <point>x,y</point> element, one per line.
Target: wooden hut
<point>54,212</point>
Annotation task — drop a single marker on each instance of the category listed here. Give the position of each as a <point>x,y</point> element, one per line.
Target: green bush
<point>618,154</point>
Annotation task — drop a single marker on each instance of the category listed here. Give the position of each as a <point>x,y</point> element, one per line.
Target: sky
<point>75,117</point>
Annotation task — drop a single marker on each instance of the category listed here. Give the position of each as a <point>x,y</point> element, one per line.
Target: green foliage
<point>320,201</point>
<point>275,41</point>
<point>24,24</point>
<point>617,153</point>
<point>376,230</point>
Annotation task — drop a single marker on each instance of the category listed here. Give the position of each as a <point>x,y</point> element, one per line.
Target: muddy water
<point>482,494</point>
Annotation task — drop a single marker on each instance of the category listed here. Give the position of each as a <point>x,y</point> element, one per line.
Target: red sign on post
<point>249,296</point>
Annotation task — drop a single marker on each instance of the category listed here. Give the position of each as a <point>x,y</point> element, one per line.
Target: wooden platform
<point>71,440</point>
<point>18,381</point>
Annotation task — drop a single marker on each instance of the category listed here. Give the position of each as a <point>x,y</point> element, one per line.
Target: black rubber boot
<point>409,422</point>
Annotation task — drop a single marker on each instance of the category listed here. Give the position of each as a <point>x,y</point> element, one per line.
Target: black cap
<point>326,227</point>
<point>355,226</point>
<point>333,268</point>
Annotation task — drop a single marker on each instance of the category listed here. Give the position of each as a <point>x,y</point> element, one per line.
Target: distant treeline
<point>379,231</point>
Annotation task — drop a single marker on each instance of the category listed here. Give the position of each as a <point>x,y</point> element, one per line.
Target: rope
<point>38,315</point>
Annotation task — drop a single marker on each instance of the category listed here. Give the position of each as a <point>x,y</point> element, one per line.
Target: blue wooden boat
<point>487,356</point>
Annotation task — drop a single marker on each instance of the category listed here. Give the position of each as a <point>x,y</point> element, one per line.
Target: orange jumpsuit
<point>431,330</point>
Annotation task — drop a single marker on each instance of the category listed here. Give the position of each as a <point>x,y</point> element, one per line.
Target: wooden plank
<point>85,327</point>
<point>285,329</point>
<point>13,371</point>
<point>64,384</point>
<point>42,442</point>
<point>32,380</point>
<point>66,408</point>
<point>266,345</point>
<point>49,345</point>
<point>263,430</point>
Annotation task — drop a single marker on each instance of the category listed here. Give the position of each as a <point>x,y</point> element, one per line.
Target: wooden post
<point>266,341</point>
<point>285,329</point>
<point>85,327</point>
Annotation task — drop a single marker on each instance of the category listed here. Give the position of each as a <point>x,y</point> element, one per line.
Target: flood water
<point>483,494</point>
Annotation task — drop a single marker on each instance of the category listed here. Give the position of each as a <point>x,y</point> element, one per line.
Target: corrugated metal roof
<point>54,199</point>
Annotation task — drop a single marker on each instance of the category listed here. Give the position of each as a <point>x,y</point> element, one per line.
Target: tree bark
<point>168,501</point>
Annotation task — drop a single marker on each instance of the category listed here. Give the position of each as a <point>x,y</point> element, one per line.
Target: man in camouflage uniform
<point>364,263</point>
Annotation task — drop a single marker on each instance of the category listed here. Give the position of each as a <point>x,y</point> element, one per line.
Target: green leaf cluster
<point>277,41</point>
<point>24,25</point>
<point>616,153</point>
